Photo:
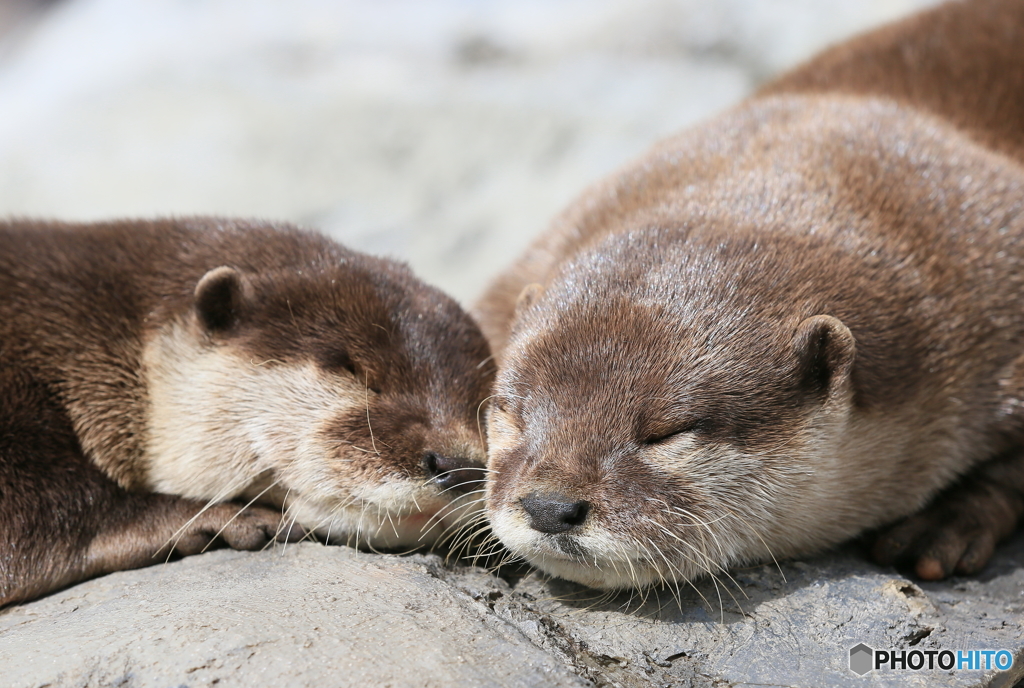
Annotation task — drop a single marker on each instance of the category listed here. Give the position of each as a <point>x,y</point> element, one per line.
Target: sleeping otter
<point>797,322</point>
<point>156,377</point>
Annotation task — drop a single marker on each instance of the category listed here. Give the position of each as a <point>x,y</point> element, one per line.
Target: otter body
<point>797,322</point>
<point>152,371</point>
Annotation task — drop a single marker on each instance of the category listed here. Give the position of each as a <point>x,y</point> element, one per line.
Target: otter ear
<point>220,298</point>
<point>527,297</point>
<point>826,349</point>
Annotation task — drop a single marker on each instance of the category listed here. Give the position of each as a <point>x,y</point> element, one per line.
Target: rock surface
<point>307,615</point>
<point>331,616</point>
<point>445,133</point>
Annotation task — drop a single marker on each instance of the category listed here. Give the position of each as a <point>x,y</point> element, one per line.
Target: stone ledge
<point>314,615</point>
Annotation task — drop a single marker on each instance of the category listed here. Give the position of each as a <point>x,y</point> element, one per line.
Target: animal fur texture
<point>157,377</point>
<point>782,328</point>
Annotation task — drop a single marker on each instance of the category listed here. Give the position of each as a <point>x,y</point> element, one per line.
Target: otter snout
<point>551,512</point>
<point>452,474</point>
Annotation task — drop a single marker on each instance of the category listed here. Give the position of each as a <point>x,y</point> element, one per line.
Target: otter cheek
<point>507,521</point>
<point>513,532</point>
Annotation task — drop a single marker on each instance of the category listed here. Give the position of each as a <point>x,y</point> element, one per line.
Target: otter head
<point>672,403</point>
<point>343,389</point>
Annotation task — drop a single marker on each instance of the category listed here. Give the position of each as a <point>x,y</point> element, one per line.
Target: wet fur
<point>151,371</point>
<point>794,323</point>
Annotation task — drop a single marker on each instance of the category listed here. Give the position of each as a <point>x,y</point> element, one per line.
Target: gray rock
<point>331,616</point>
<point>791,625</point>
<point>301,615</point>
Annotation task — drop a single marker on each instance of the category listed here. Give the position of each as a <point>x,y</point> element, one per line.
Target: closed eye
<point>341,362</point>
<point>695,427</point>
<point>338,361</point>
<point>502,418</point>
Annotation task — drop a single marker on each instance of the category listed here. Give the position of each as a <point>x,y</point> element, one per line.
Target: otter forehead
<point>653,303</point>
<point>372,318</point>
<point>623,372</point>
<point>712,304</point>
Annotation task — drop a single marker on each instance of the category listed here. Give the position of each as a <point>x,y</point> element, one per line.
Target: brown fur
<point>793,323</point>
<point>212,360</point>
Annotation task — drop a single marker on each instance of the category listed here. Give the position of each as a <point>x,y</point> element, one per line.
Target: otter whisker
<point>466,538</point>
<point>366,396</point>
<point>671,570</point>
<point>447,510</point>
<point>330,518</point>
<point>702,564</point>
<point>459,511</point>
<point>291,525</point>
<point>269,360</point>
<point>380,521</point>
<point>286,506</point>
<point>509,557</point>
<point>251,502</point>
<point>471,529</point>
<point>462,534</point>
<point>488,541</point>
<point>644,590</point>
<point>489,548</point>
<point>176,535</point>
<point>392,522</point>
<point>766,547</point>
<point>330,527</point>
<point>707,527</point>
<point>462,485</point>
<point>480,406</point>
<point>705,562</point>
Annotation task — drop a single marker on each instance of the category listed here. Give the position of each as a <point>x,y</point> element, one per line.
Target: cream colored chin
<point>618,575</point>
<point>604,568</point>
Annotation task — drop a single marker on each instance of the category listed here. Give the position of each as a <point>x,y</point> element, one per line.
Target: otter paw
<point>246,529</point>
<point>956,533</point>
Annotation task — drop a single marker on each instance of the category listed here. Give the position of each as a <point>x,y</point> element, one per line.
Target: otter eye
<point>499,415</point>
<point>690,428</point>
<point>340,360</point>
<point>663,439</point>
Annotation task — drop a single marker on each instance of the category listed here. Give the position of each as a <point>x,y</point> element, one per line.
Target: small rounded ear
<point>528,296</point>
<point>826,350</point>
<point>220,298</point>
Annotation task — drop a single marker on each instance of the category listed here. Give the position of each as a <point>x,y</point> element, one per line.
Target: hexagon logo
<point>860,659</point>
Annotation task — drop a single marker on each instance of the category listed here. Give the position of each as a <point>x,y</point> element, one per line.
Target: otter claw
<point>956,533</point>
<point>291,532</point>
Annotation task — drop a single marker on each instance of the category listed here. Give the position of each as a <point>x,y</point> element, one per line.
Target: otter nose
<point>554,513</point>
<point>452,473</point>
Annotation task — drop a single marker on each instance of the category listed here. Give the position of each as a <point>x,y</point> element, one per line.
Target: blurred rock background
<point>443,132</point>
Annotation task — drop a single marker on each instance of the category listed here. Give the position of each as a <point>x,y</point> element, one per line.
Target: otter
<point>788,326</point>
<point>169,384</point>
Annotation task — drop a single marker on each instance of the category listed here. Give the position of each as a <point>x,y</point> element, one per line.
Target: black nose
<point>554,513</point>
<point>452,474</point>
